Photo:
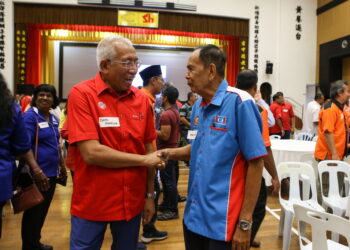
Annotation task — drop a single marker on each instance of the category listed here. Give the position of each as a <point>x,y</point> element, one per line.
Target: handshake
<point>157,159</point>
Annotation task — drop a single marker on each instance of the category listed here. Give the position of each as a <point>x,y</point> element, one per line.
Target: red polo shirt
<point>287,113</point>
<point>277,113</point>
<point>124,123</point>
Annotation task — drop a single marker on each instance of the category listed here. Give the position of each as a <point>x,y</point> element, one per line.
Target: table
<point>290,150</point>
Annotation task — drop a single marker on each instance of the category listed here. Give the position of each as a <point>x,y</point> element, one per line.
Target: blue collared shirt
<point>228,134</point>
<point>48,141</point>
<point>14,141</point>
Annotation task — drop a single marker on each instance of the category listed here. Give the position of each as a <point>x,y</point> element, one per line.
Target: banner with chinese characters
<point>243,54</point>
<point>2,36</point>
<point>21,48</point>
<point>138,19</point>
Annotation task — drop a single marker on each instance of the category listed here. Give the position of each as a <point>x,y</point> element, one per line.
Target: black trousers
<point>195,241</point>
<point>259,210</point>
<point>150,227</point>
<point>168,177</point>
<point>33,219</point>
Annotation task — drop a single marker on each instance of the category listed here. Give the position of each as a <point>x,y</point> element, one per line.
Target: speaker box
<point>269,67</point>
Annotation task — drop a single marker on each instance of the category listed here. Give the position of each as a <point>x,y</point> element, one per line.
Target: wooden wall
<point>60,14</point>
<point>332,24</point>
<point>346,69</point>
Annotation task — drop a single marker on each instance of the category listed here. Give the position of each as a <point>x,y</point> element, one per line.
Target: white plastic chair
<point>315,138</point>
<point>334,200</point>
<point>309,159</point>
<point>321,222</point>
<point>275,137</point>
<point>296,171</point>
<point>303,136</point>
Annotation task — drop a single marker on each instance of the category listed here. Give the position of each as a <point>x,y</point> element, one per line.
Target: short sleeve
<point>30,122</point>
<point>315,114</point>
<point>249,130</point>
<point>291,111</point>
<point>329,118</point>
<point>165,119</point>
<point>19,139</point>
<point>81,122</point>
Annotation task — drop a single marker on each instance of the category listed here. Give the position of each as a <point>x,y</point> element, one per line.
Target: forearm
<point>98,154</point>
<point>330,142</point>
<point>279,123</point>
<point>252,188</point>
<point>269,163</point>
<point>185,121</point>
<point>182,153</point>
<point>150,171</point>
<point>29,158</point>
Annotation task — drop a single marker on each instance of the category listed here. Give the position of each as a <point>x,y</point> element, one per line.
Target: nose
<point>187,75</point>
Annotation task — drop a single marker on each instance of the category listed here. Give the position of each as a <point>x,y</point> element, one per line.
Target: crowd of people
<point>121,143</point>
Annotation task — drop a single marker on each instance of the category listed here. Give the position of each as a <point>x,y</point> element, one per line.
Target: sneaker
<point>168,216</point>
<point>141,246</point>
<point>181,198</point>
<point>155,235</point>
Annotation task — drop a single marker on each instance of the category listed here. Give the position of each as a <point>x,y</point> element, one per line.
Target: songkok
<point>150,72</point>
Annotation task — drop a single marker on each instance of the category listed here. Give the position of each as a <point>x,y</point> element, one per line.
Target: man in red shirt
<point>168,137</point>
<point>284,115</point>
<point>112,125</point>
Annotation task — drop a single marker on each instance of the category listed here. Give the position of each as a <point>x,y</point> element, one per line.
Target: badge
<point>43,124</point>
<point>192,134</point>
<point>101,105</point>
<point>108,122</point>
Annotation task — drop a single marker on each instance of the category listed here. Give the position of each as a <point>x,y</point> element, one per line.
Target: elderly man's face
<point>343,97</point>
<point>197,74</point>
<point>117,73</point>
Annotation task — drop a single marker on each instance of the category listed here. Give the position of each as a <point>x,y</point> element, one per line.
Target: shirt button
<point>205,116</point>
<point>200,151</point>
<point>203,134</point>
<point>195,185</point>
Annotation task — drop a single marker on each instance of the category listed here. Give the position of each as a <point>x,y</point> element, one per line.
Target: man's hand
<point>148,211</point>
<point>282,132</point>
<point>154,161</point>
<point>241,239</point>
<point>276,185</point>
<point>163,154</point>
<point>335,157</point>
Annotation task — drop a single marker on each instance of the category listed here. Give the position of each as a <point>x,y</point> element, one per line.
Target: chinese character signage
<point>243,54</point>
<point>138,19</point>
<point>2,34</point>
<point>298,24</point>
<point>256,39</point>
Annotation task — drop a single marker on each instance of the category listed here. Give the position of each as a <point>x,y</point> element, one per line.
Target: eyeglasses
<point>127,64</point>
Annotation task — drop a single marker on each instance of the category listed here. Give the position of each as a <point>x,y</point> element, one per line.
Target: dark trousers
<point>195,241</point>
<point>259,210</point>
<point>33,219</point>
<point>149,228</point>
<point>168,177</point>
<point>89,235</point>
<point>286,134</point>
<point>2,204</point>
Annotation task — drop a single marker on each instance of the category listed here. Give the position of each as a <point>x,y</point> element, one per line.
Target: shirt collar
<point>101,86</point>
<point>338,104</point>
<point>149,95</point>
<point>220,93</point>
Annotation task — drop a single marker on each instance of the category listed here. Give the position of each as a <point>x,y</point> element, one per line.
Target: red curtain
<point>34,45</point>
<point>33,67</point>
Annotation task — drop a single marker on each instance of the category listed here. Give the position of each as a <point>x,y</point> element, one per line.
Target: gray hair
<point>336,88</point>
<point>105,49</point>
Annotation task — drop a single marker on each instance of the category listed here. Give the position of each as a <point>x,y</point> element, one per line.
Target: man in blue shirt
<point>226,157</point>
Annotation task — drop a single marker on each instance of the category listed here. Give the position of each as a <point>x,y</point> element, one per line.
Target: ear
<point>212,71</point>
<point>104,66</point>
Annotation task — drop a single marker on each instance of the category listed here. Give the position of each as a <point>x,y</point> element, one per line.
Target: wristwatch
<point>245,225</point>
<point>151,195</point>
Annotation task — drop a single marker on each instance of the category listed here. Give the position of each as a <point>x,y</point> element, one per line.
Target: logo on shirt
<point>221,120</point>
<point>101,105</point>
<point>195,122</point>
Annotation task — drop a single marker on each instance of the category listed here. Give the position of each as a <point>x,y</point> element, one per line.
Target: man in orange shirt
<point>331,142</point>
<point>152,85</point>
<point>247,80</point>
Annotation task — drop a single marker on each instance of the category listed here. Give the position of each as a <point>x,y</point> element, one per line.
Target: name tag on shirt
<point>285,110</point>
<point>107,122</point>
<point>191,134</point>
<point>43,124</point>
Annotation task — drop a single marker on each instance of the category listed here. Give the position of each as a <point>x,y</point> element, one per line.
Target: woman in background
<point>14,141</point>
<point>48,156</point>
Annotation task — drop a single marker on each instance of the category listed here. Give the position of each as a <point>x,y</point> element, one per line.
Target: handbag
<point>27,194</point>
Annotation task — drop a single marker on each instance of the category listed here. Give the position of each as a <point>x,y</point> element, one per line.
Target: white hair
<point>105,49</point>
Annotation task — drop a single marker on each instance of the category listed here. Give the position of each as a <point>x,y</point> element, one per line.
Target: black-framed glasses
<point>127,64</point>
